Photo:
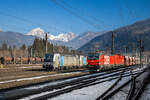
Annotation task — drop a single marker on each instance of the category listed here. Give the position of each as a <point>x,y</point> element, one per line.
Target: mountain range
<point>87,41</point>
<point>68,39</point>
<point>15,38</point>
<point>65,37</point>
<point>127,36</point>
<point>82,39</point>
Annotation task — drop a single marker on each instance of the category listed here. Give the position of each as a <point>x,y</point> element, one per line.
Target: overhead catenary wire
<point>122,20</point>
<point>29,21</point>
<point>75,14</point>
<point>131,13</point>
<point>16,28</point>
<point>120,13</point>
<point>121,16</point>
<point>85,14</point>
<point>49,27</point>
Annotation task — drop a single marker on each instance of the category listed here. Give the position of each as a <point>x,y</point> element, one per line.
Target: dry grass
<point>20,83</point>
<point>11,73</point>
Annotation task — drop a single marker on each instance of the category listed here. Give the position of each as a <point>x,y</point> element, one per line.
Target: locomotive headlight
<point>99,62</point>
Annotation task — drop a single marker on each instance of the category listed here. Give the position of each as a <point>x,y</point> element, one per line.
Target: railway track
<point>64,86</point>
<point>136,82</point>
<point>60,84</point>
<point>137,87</point>
<point>145,91</point>
<point>79,85</point>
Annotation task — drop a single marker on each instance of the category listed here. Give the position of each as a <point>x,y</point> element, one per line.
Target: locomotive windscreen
<point>93,56</point>
<point>48,57</point>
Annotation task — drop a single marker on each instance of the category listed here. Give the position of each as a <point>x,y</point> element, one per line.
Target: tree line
<point>37,49</point>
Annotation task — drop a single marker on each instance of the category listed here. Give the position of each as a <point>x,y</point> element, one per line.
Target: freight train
<point>21,60</point>
<point>99,61</point>
<point>94,61</point>
<point>56,61</point>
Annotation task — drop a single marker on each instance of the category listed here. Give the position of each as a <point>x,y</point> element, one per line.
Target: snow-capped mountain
<point>37,32</point>
<point>65,37</point>
<point>62,37</point>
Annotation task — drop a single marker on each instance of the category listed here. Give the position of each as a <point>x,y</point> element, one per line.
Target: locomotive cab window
<point>48,57</point>
<point>93,56</point>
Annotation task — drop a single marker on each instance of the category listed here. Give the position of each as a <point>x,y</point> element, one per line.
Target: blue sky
<point>24,15</point>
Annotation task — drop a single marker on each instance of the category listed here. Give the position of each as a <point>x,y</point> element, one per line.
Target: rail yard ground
<point>18,75</point>
<point>82,86</point>
<point>32,82</point>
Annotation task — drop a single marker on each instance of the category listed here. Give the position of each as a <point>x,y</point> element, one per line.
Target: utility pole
<point>70,49</point>
<point>126,49</point>
<point>112,49</point>
<point>14,56</point>
<point>141,49</point>
<point>46,37</point>
<point>133,51</point>
<point>31,54</point>
<point>52,48</point>
<point>14,49</point>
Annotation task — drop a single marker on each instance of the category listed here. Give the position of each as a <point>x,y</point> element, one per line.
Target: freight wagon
<point>58,61</point>
<point>21,60</point>
<point>6,60</point>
